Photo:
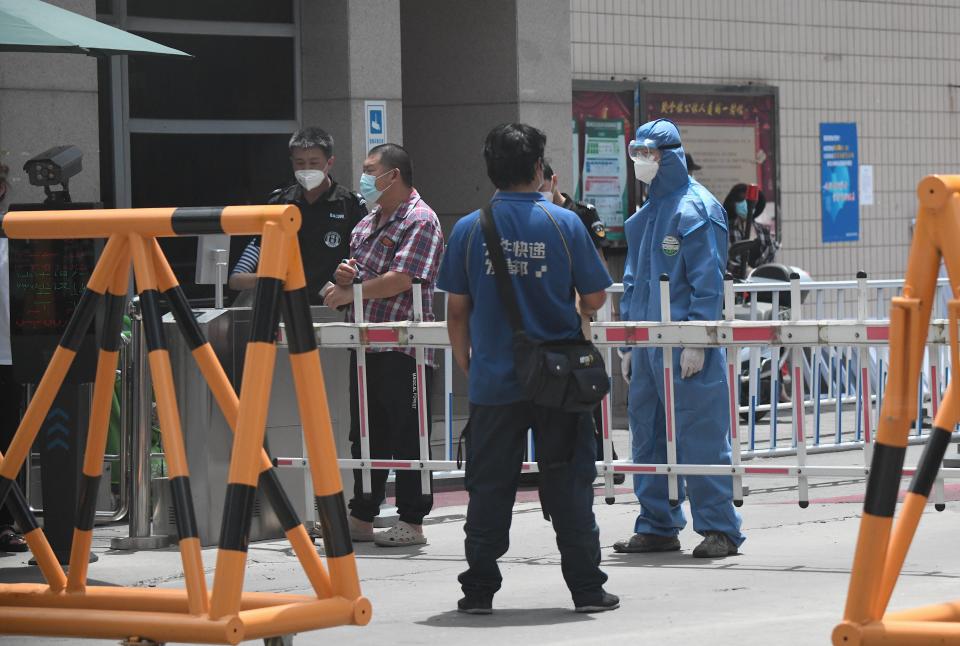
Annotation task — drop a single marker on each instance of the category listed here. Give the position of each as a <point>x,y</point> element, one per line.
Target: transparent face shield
<point>646,151</point>
<point>643,151</point>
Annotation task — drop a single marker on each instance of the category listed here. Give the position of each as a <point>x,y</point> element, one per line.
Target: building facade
<point>886,66</point>
<point>213,129</point>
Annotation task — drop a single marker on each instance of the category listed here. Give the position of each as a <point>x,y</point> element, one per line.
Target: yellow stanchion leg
<point>39,406</point>
<point>59,364</point>
<point>318,435</point>
<point>99,423</point>
<point>162,375</point>
<point>229,404</point>
<point>251,424</point>
<point>879,556</point>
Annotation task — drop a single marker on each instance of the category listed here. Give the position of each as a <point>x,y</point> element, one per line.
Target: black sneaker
<point>647,543</point>
<point>475,605</point>
<point>715,545</point>
<point>605,601</point>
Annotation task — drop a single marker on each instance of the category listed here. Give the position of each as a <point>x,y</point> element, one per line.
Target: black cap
<point>692,165</point>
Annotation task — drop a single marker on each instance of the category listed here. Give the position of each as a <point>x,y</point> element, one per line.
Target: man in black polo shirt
<point>329,212</point>
<point>586,212</point>
<point>598,234</point>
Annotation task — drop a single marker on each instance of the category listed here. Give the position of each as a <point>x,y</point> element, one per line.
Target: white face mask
<point>547,194</point>
<point>645,170</point>
<point>310,179</point>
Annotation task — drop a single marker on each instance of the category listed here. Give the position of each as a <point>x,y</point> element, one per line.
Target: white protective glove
<point>626,357</point>
<point>691,362</point>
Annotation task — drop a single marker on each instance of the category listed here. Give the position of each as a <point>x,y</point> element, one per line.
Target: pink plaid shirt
<point>411,243</point>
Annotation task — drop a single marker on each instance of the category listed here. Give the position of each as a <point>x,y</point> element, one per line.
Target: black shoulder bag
<point>567,374</point>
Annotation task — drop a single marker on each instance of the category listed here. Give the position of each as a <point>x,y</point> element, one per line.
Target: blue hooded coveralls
<point>680,231</point>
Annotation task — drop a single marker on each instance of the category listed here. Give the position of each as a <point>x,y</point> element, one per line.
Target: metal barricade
<point>836,374</point>
<point>834,363</point>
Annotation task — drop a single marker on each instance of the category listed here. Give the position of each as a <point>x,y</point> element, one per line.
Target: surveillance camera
<point>54,166</point>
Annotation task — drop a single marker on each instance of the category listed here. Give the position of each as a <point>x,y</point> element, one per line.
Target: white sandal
<point>400,535</point>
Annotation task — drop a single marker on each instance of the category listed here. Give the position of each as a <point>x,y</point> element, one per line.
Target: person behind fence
<point>681,232</point>
<point>329,210</point>
<point>598,234</point>
<point>550,257</point>
<point>399,242</point>
<point>743,223</point>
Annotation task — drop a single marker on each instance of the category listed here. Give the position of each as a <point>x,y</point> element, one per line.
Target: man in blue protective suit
<point>680,232</point>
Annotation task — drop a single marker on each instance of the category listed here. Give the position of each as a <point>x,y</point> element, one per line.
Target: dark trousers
<point>598,433</point>
<point>394,433</point>
<point>10,401</point>
<point>495,443</point>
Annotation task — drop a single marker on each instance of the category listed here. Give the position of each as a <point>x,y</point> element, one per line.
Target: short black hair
<point>395,156</point>
<point>312,137</point>
<point>512,151</point>
<point>547,170</point>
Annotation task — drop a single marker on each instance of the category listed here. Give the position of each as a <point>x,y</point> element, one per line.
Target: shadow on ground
<point>506,618</point>
<point>32,574</point>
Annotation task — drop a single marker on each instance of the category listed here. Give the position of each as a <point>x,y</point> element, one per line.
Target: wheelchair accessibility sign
<point>376,126</point>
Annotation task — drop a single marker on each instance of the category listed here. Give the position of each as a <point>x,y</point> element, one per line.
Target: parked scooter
<point>760,362</point>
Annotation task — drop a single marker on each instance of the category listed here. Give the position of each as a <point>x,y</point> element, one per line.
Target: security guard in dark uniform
<point>329,213</point>
<point>591,220</point>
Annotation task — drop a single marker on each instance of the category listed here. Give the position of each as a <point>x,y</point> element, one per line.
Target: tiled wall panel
<point>890,66</point>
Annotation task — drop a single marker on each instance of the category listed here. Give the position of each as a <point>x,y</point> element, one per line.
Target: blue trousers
<point>701,435</point>
<point>566,449</point>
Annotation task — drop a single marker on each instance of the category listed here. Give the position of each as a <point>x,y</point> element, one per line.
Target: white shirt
<point>6,357</point>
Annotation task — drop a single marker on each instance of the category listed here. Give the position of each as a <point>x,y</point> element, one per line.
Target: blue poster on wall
<point>839,176</point>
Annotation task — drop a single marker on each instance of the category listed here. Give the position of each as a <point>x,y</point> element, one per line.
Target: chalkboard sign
<point>47,278</point>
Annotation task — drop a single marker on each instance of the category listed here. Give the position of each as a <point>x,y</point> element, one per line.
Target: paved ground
<point>788,586</point>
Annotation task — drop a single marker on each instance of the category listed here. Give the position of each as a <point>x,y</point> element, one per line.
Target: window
<point>230,77</point>
<point>207,170</point>
<point>204,170</point>
<point>211,130</point>
<point>235,10</point>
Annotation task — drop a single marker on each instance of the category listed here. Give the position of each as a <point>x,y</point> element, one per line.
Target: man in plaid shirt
<point>399,242</point>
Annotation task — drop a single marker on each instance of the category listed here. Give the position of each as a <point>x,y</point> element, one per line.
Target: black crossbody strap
<point>508,295</point>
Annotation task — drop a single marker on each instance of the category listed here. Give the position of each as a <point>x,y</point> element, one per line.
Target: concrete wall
<point>543,54</point>
<point>350,52</point>
<point>468,66</point>
<point>50,100</point>
<point>889,66</point>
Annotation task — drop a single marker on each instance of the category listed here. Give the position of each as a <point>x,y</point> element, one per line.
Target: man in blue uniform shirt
<point>550,257</point>
<point>681,232</point>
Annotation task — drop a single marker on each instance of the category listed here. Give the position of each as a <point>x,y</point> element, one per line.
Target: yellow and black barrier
<point>65,605</point>
<point>882,545</point>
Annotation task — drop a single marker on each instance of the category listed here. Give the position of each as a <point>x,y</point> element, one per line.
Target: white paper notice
<point>728,155</point>
<point>866,185</point>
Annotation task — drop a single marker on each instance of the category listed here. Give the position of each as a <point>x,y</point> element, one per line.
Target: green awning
<point>35,26</point>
